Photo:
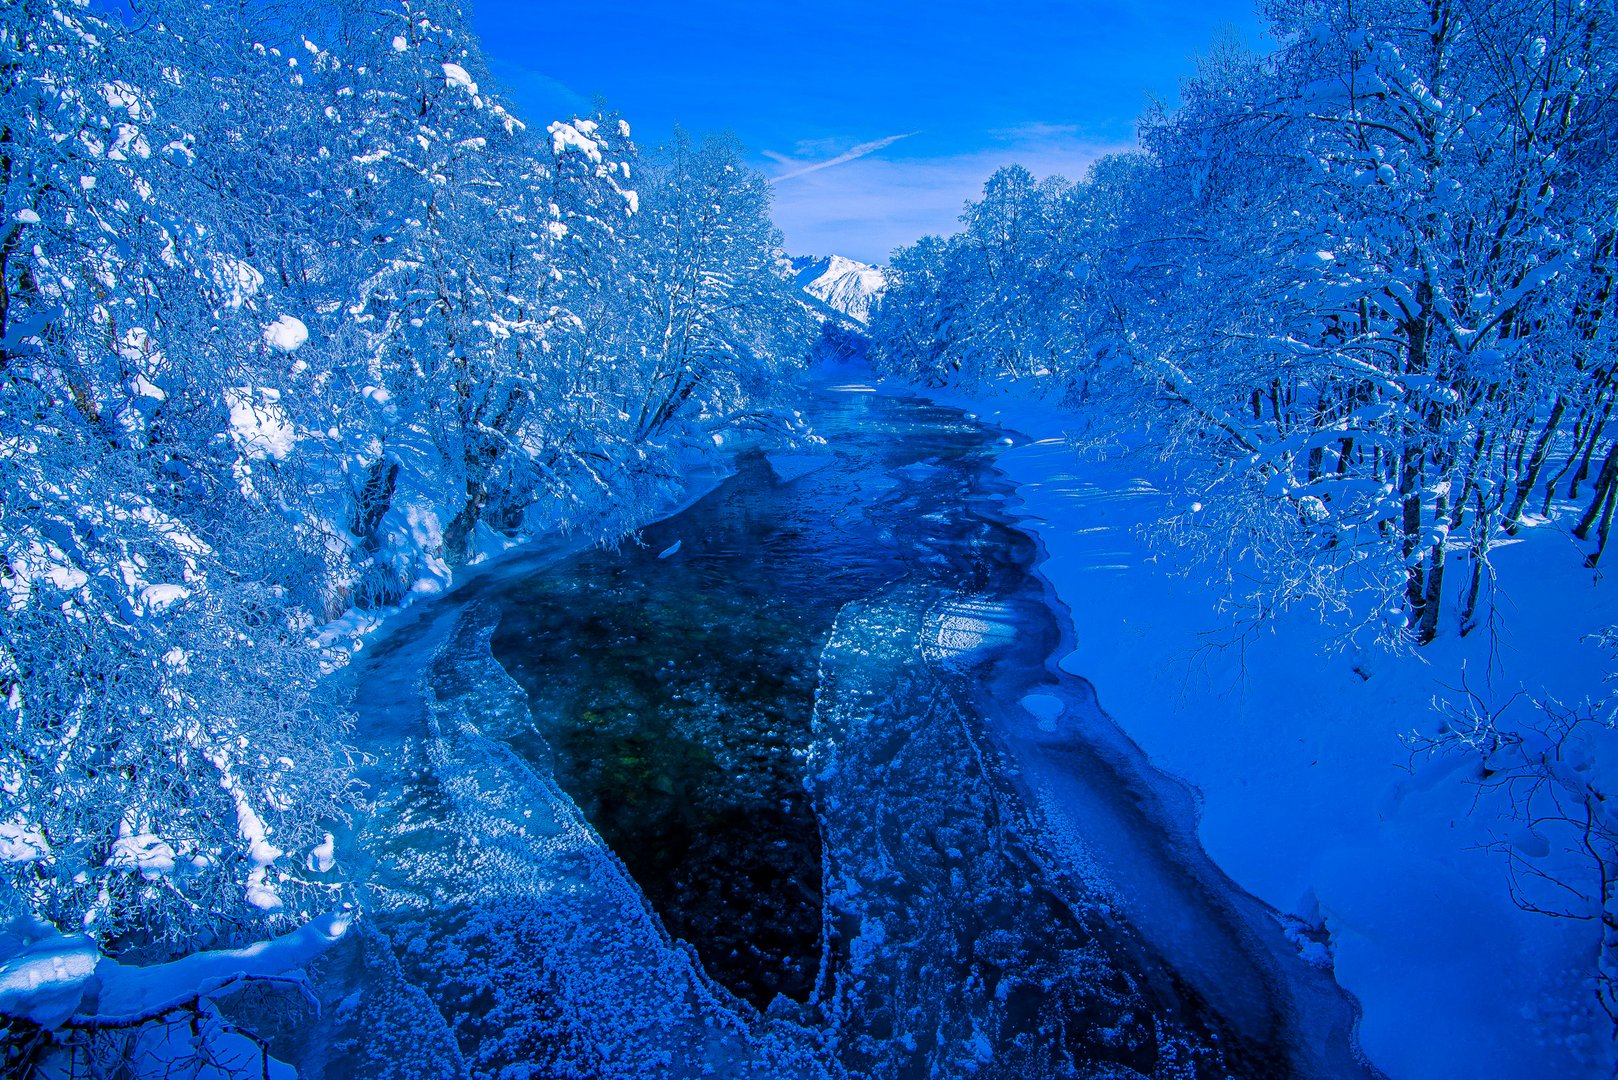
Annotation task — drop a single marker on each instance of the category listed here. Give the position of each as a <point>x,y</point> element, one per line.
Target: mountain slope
<point>847,288</point>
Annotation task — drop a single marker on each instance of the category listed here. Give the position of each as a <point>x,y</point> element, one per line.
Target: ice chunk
<point>45,981</point>
<point>1044,708</point>
<point>789,467</point>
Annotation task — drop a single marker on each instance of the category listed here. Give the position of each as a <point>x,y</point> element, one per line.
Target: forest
<point>296,320</point>
<point>1355,298</point>
<point>299,321</point>
<point>1359,290</point>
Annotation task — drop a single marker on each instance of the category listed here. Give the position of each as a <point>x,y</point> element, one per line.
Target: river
<point>791,785</point>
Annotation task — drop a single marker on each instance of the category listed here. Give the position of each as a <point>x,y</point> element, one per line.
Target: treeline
<point>1359,293</point>
<point>295,317</point>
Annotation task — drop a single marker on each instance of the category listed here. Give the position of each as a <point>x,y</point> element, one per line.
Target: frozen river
<point>792,787</point>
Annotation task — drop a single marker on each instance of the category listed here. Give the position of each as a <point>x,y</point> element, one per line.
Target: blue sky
<point>876,119</point>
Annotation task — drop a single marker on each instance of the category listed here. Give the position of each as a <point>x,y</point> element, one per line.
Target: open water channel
<point>792,786</point>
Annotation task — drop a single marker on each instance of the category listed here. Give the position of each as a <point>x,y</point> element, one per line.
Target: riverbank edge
<point>1308,798</point>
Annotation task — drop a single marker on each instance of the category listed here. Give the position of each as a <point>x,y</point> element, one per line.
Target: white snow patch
<point>19,843</point>
<point>156,599</point>
<point>324,855</point>
<point>1044,708</point>
<point>144,852</point>
<point>259,424</point>
<point>238,281</point>
<point>44,982</point>
<point>566,137</point>
<point>286,334</point>
<point>456,75</point>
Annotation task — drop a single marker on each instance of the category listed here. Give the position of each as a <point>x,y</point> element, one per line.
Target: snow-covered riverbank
<point>1310,799</point>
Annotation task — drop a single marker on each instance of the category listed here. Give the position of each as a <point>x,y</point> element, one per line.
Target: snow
<point>567,137</point>
<point>455,75</point>
<point>44,983</point>
<point>324,855</point>
<point>845,287</point>
<point>134,991</point>
<point>258,423</point>
<point>156,599</point>
<point>143,388</point>
<point>19,843</point>
<point>144,852</point>
<point>46,977</point>
<point>286,334</point>
<point>238,281</point>
<point>1308,795</point>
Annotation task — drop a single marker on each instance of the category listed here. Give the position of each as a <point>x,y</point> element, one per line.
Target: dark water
<point>677,691</point>
<point>775,709</point>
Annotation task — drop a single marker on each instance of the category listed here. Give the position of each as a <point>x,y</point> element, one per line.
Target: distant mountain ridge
<point>840,287</point>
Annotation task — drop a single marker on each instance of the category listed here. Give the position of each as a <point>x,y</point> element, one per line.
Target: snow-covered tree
<point>294,317</point>
<point>169,759</point>
<point>723,326</point>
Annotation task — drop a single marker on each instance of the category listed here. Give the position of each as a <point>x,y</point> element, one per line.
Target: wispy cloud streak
<point>866,209</point>
<point>841,159</point>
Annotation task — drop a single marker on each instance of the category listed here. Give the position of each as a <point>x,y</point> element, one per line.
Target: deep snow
<point>1310,798</point>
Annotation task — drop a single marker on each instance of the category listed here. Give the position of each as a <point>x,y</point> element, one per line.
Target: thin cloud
<point>1034,131</point>
<point>869,208</point>
<point>841,159</point>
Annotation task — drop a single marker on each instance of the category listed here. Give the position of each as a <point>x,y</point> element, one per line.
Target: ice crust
<point>501,926</point>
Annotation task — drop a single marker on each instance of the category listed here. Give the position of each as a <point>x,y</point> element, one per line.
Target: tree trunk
<point>1415,576</point>
<point>1536,462</point>
<point>1433,600</point>
<point>1609,468</point>
<point>1480,561</point>
<point>1591,438</point>
<point>1605,526</point>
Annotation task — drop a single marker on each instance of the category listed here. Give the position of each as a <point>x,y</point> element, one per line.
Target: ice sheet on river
<point>950,952</point>
<point>502,937</point>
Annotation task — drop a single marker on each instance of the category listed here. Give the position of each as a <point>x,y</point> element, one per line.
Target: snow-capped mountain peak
<point>846,286</point>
